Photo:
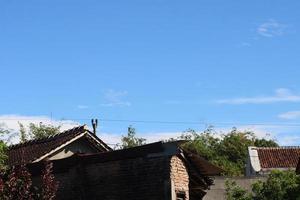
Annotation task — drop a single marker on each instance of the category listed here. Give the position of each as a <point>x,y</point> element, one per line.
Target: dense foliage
<point>280,185</point>
<point>37,131</point>
<point>229,151</point>
<point>3,155</point>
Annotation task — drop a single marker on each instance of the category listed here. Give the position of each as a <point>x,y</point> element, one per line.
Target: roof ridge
<point>280,147</point>
<point>28,142</point>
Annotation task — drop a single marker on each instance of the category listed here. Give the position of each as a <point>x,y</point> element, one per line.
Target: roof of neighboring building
<point>278,157</point>
<point>199,170</point>
<point>33,150</point>
<point>148,150</point>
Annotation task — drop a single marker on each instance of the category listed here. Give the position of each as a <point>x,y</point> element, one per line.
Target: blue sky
<point>221,63</point>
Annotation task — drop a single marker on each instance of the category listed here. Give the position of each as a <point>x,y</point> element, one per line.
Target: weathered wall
<point>217,191</point>
<point>134,179</point>
<point>179,176</point>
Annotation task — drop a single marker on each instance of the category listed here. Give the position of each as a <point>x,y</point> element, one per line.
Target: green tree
<point>280,185</point>
<point>3,154</point>
<point>229,151</point>
<point>3,147</point>
<point>234,148</point>
<point>131,140</point>
<point>37,131</point>
<point>265,143</point>
<point>23,136</point>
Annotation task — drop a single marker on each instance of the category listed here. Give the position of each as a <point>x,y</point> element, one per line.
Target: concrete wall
<point>217,191</point>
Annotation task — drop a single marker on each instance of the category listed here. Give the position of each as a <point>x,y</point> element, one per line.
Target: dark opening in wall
<point>180,196</point>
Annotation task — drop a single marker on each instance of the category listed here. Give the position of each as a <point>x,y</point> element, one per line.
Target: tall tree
<point>131,140</point>
<point>37,131</point>
<point>3,147</point>
<point>23,136</point>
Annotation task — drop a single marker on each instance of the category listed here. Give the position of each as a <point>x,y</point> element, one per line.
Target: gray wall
<point>217,191</point>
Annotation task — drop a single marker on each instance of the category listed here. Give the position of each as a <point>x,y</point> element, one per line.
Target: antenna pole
<point>94,124</point>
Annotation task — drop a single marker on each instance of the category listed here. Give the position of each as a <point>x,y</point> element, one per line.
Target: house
<point>157,171</point>
<point>59,146</point>
<point>262,160</point>
<point>87,168</point>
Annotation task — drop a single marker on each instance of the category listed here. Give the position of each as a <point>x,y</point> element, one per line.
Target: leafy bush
<point>280,185</point>
<point>235,192</point>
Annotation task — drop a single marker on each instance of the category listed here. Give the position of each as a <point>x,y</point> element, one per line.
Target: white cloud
<point>82,107</point>
<point>284,135</point>
<point>115,98</point>
<point>113,138</point>
<point>290,140</point>
<point>11,122</point>
<point>158,136</point>
<point>261,131</point>
<point>271,28</point>
<point>290,115</point>
<point>281,95</point>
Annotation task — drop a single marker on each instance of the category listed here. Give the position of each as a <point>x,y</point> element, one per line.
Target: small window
<point>180,196</point>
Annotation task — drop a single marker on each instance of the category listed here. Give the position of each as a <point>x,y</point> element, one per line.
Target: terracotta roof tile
<point>31,150</point>
<point>278,157</point>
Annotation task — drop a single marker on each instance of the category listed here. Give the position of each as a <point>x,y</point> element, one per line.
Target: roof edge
<point>28,142</point>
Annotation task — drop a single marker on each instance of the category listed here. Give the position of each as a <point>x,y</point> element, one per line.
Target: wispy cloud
<point>115,98</point>
<point>290,115</point>
<point>281,95</point>
<point>82,107</point>
<point>271,28</point>
<point>113,138</point>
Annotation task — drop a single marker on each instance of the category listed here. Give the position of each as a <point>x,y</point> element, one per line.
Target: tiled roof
<point>33,149</point>
<point>278,157</point>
